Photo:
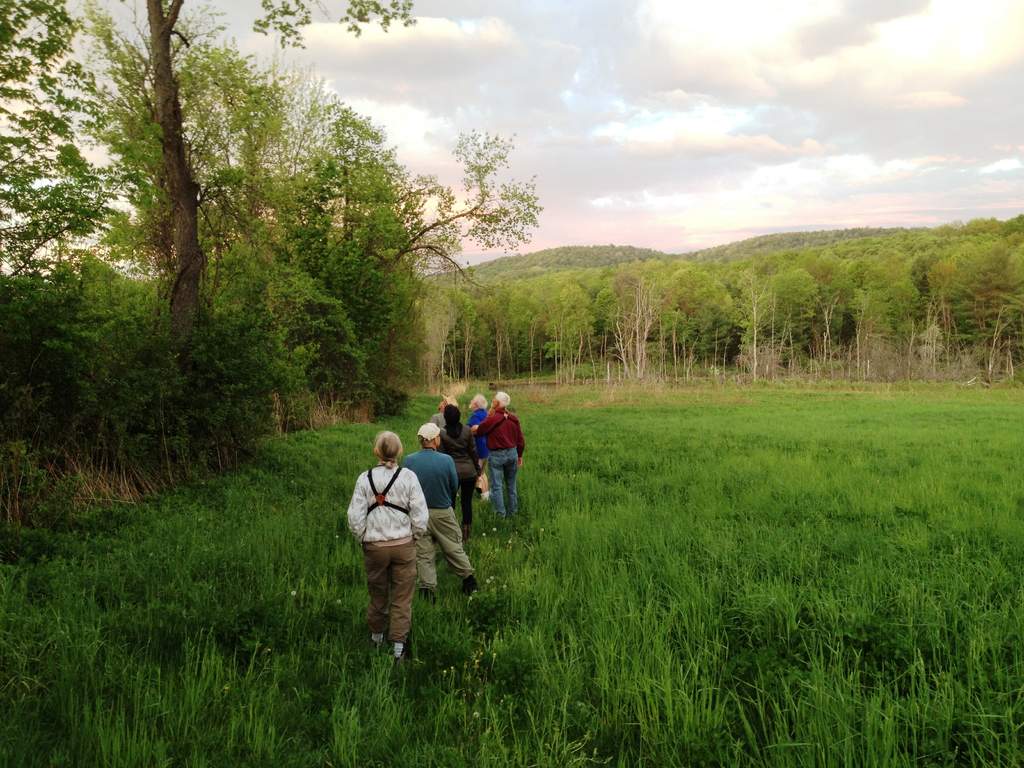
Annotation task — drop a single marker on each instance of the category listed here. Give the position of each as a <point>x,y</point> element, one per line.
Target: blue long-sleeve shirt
<point>481,442</point>
<point>437,476</point>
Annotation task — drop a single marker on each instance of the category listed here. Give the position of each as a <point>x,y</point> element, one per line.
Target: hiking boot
<point>469,585</point>
<point>428,594</point>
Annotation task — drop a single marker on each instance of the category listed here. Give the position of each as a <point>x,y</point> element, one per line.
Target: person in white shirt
<point>388,512</point>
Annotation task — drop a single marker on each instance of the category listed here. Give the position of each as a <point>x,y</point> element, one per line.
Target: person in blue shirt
<point>440,482</point>
<point>478,412</point>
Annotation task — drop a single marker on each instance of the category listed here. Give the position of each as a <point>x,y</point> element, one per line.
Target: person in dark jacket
<point>458,442</point>
<point>506,445</point>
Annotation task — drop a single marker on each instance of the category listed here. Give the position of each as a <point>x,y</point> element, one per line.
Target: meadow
<point>750,577</point>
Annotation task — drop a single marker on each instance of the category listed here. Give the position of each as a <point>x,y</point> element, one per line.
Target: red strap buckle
<point>381,499</point>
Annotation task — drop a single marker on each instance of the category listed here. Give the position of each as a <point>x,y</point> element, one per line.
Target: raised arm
<point>485,426</point>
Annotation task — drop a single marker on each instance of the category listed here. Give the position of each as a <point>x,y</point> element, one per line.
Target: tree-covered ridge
<point>788,241</point>
<point>598,256</point>
<point>932,303</point>
<point>563,258</point>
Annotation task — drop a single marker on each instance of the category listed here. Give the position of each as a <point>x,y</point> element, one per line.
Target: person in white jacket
<point>387,514</point>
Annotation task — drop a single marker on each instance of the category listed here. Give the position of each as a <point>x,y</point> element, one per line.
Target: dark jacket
<point>503,431</point>
<point>463,450</point>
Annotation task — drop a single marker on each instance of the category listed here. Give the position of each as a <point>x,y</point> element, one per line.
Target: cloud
<point>916,56</point>
<point>678,123</point>
<point>460,39</point>
<point>703,130</point>
<point>930,100</point>
<point>419,136</point>
<point>1005,165</point>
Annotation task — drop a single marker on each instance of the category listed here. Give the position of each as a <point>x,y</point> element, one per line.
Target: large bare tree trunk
<point>182,190</point>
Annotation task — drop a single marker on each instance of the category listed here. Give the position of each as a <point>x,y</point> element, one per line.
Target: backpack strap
<point>381,497</point>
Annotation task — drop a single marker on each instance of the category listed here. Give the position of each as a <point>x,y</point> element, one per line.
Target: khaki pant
<point>444,532</point>
<point>390,569</point>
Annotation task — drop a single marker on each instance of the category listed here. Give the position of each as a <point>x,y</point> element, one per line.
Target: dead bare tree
<point>637,314</point>
<point>756,294</point>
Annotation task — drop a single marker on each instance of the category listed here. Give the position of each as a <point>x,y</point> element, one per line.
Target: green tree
<point>179,181</point>
<point>49,193</point>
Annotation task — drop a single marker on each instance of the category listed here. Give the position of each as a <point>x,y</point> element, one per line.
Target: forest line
<point>930,304</point>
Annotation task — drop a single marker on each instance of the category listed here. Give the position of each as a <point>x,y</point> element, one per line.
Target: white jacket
<point>385,523</point>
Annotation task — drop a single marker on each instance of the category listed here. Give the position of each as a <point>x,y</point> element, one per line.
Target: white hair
<point>388,447</point>
<point>478,401</point>
<point>502,398</point>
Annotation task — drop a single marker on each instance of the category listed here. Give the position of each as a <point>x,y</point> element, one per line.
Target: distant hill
<point>596,256</point>
<point>789,241</point>
<point>560,259</point>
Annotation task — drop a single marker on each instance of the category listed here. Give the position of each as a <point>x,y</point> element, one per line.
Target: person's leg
<point>403,585</point>
<point>466,499</point>
<point>425,551</point>
<point>449,539</point>
<point>485,481</point>
<point>511,473</point>
<point>497,482</point>
<point>376,563</point>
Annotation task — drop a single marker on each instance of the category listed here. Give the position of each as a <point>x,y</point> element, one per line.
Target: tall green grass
<point>706,577</point>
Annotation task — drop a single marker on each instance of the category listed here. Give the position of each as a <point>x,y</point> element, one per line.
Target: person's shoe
<point>485,496</point>
<point>377,642</point>
<point>469,585</point>
<point>465,532</point>
<point>403,657</point>
<point>428,594</point>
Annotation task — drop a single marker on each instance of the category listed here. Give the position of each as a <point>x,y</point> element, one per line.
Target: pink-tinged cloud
<point>677,124</point>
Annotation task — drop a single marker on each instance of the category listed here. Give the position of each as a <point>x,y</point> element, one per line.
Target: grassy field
<point>711,577</point>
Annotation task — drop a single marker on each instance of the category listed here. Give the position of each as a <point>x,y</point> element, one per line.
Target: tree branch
<point>445,222</point>
<point>172,15</point>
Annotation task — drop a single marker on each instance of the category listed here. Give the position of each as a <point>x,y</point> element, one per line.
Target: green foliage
<point>887,304</point>
<point>91,387</point>
<point>764,245</point>
<point>773,577</point>
<point>317,241</point>
<point>288,17</point>
<point>49,194</point>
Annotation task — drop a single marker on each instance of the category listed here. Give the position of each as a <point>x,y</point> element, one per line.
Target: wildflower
<point>476,714</point>
<point>294,593</point>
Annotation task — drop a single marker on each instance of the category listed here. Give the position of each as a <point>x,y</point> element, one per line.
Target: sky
<point>679,124</point>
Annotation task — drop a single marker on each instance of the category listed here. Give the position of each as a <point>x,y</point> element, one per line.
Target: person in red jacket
<point>506,446</point>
